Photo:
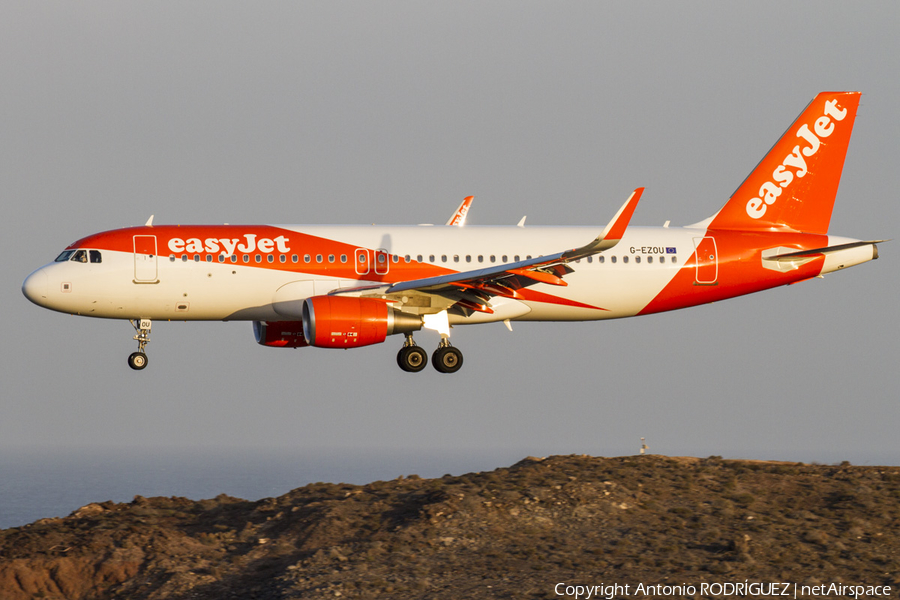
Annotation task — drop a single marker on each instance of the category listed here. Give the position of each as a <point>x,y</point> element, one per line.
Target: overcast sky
<point>392,112</point>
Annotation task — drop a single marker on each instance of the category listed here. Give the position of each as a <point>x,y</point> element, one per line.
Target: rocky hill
<point>511,533</point>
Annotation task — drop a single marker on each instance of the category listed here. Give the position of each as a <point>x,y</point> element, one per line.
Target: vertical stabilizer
<point>794,186</point>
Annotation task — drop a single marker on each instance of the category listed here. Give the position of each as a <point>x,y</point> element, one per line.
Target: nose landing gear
<point>138,360</point>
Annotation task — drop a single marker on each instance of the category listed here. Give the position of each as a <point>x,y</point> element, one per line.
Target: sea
<point>37,483</point>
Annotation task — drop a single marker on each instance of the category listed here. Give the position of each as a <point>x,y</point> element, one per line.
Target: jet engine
<point>279,334</point>
<point>348,322</point>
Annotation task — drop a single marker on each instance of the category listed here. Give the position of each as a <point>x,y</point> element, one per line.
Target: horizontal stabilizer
<point>791,256</point>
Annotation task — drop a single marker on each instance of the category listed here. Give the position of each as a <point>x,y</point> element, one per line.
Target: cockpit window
<point>79,256</point>
<point>66,254</point>
<point>95,256</point>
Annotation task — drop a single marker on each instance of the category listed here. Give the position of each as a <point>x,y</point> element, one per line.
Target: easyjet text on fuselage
<point>249,243</point>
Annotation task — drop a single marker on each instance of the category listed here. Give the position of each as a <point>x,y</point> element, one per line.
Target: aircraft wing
<point>473,289</point>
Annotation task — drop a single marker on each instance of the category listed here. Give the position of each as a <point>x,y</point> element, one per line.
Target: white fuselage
<point>265,283</point>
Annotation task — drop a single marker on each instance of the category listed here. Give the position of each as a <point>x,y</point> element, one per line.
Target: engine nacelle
<point>279,334</point>
<point>348,322</point>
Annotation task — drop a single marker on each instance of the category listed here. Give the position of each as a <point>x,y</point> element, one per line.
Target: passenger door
<point>706,259</point>
<point>145,268</point>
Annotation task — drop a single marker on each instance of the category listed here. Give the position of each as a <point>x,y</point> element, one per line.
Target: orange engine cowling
<point>279,334</point>
<point>347,322</point>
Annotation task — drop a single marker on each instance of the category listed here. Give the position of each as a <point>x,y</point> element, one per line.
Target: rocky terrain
<point>511,533</point>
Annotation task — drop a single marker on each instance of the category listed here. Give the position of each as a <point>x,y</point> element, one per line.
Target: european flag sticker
<point>670,250</point>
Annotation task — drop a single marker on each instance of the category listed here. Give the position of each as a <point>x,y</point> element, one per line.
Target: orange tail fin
<point>794,186</point>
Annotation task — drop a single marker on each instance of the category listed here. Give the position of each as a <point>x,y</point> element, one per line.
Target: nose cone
<point>35,287</point>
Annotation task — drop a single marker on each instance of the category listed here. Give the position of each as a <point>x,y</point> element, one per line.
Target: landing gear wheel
<point>137,360</point>
<point>447,359</point>
<point>412,359</point>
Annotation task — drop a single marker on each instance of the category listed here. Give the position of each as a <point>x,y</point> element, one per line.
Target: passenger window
<point>503,258</point>
<point>270,258</point>
<point>624,259</point>
<point>590,259</point>
<point>294,258</point>
<point>343,258</point>
<point>258,258</point>
<point>443,258</point>
<point>95,256</point>
<point>516,258</point>
<point>672,260</point>
<point>171,258</point>
<point>221,258</point>
<point>493,258</point>
<point>612,259</point>
<point>234,258</point>
<point>318,258</point>
<point>184,258</point>
<point>395,258</point>
<point>649,259</point>
<point>331,258</point>
<point>431,258</point>
<point>209,258</point>
<point>419,258</point>
<point>456,258</point>
<point>79,256</point>
<point>66,255</point>
<point>246,258</point>
<point>601,259</point>
<point>306,258</point>
<point>282,258</point>
<point>637,259</point>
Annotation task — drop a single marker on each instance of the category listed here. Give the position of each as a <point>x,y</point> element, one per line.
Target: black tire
<point>137,360</point>
<point>447,359</point>
<point>412,359</point>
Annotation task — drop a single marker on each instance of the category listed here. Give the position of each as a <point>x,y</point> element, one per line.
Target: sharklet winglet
<point>459,217</point>
<point>613,232</point>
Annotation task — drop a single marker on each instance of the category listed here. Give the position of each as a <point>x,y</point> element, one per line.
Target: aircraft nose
<point>35,287</point>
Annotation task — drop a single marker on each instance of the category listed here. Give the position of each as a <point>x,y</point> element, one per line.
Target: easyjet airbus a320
<point>351,286</point>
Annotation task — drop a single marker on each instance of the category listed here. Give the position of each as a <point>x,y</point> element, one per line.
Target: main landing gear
<point>447,359</point>
<point>412,358</point>
<point>138,360</point>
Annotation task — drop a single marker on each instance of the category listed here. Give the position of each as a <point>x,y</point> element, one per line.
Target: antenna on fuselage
<point>149,222</point>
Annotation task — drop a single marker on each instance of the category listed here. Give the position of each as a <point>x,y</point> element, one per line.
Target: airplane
<point>352,286</point>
